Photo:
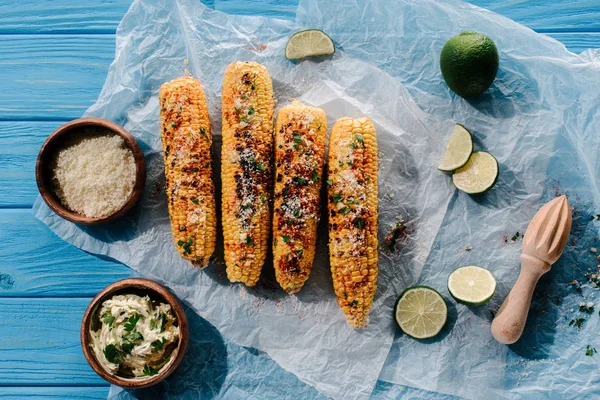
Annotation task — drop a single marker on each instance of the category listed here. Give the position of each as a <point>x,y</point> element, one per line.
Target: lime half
<point>458,151</point>
<point>472,285</point>
<point>478,175</point>
<point>421,312</point>
<point>312,42</point>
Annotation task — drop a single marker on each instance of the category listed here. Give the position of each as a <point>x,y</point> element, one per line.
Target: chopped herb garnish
<point>359,138</point>
<point>299,180</point>
<point>244,119</point>
<point>354,303</point>
<point>158,344</point>
<point>195,201</point>
<point>344,210</point>
<point>297,138</point>
<point>203,132</point>
<point>319,127</point>
<point>249,241</point>
<point>341,163</point>
<point>207,164</point>
<point>182,228</point>
<point>577,322</point>
<point>189,242</point>
<point>315,177</point>
<point>590,351</point>
<point>299,252</point>
<point>261,167</point>
<point>163,322</point>
<point>586,307</point>
<point>360,223</point>
<point>126,347</point>
<point>353,146</point>
<point>350,163</point>
<point>329,182</point>
<point>251,111</point>
<point>153,324</point>
<point>180,243</point>
<point>131,322</point>
<point>296,213</point>
<point>133,337</point>
<point>515,237</point>
<point>111,354</point>
<point>173,125</point>
<point>286,238</point>
<point>337,198</point>
<point>108,320</point>
<point>149,371</point>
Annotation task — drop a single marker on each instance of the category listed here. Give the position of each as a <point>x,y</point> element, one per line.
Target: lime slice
<point>478,175</point>
<point>421,312</point>
<point>458,151</point>
<point>312,42</point>
<point>471,285</point>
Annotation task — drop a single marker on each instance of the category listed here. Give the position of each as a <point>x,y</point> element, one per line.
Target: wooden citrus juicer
<point>543,243</point>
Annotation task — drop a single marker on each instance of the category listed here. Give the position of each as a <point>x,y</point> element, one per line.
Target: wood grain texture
<point>54,392</point>
<point>52,77</point>
<point>103,16</point>
<point>39,342</point>
<point>35,262</point>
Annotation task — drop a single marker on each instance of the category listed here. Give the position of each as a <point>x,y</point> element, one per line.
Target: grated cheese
<point>94,176</point>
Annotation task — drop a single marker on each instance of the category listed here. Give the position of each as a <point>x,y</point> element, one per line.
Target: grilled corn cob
<point>187,142</point>
<point>246,169</point>
<point>300,135</point>
<point>352,200</point>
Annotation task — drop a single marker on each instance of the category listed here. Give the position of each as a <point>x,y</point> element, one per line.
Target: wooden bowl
<point>140,287</point>
<point>43,169</point>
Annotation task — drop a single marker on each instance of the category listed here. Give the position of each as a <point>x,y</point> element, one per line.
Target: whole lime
<point>469,63</point>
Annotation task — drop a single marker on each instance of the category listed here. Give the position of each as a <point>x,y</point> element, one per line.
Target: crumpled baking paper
<point>539,119</point>
<point>306,334</point>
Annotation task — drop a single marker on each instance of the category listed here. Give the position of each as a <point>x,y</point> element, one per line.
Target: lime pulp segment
<point>312,42</point>
<point>472,285</point>
<point>421,312</point>
<point>478,175</point>
<point>458,150</point>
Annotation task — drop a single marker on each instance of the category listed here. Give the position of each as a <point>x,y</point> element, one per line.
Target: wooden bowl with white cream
<point>134,333</point>
<point>90,171</point>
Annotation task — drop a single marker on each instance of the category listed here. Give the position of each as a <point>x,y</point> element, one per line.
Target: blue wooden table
<point>54,56</point>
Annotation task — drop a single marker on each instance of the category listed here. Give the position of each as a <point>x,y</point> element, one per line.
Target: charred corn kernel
<point>187,142</point>
<point>246,169</point>
<point>352,202</point>
<point>300,136</point>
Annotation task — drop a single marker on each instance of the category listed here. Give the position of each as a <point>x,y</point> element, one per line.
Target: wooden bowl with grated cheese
<point>90,171</point>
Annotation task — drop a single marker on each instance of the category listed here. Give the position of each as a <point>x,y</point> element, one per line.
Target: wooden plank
<point>61,16</point>
<point>39,342</point>
<point>578,42</point>
<point>35,262</point>
<point>103,16</point>
<point>19,145</point>
<point>548,16</point>
<point>54,392</point>
<point>52,77</point>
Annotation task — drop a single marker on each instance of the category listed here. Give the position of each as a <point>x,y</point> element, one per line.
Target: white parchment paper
<point>306,334</point>
<point>540,119</point>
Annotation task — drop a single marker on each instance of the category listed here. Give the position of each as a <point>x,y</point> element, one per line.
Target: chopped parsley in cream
<point>135,337</point>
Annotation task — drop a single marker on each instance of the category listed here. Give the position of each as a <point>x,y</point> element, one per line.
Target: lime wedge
<point>478,175</point>
<point>458,151</point>
<point>421,312</point>
<point>471,285</point>
<point>312,42</point>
